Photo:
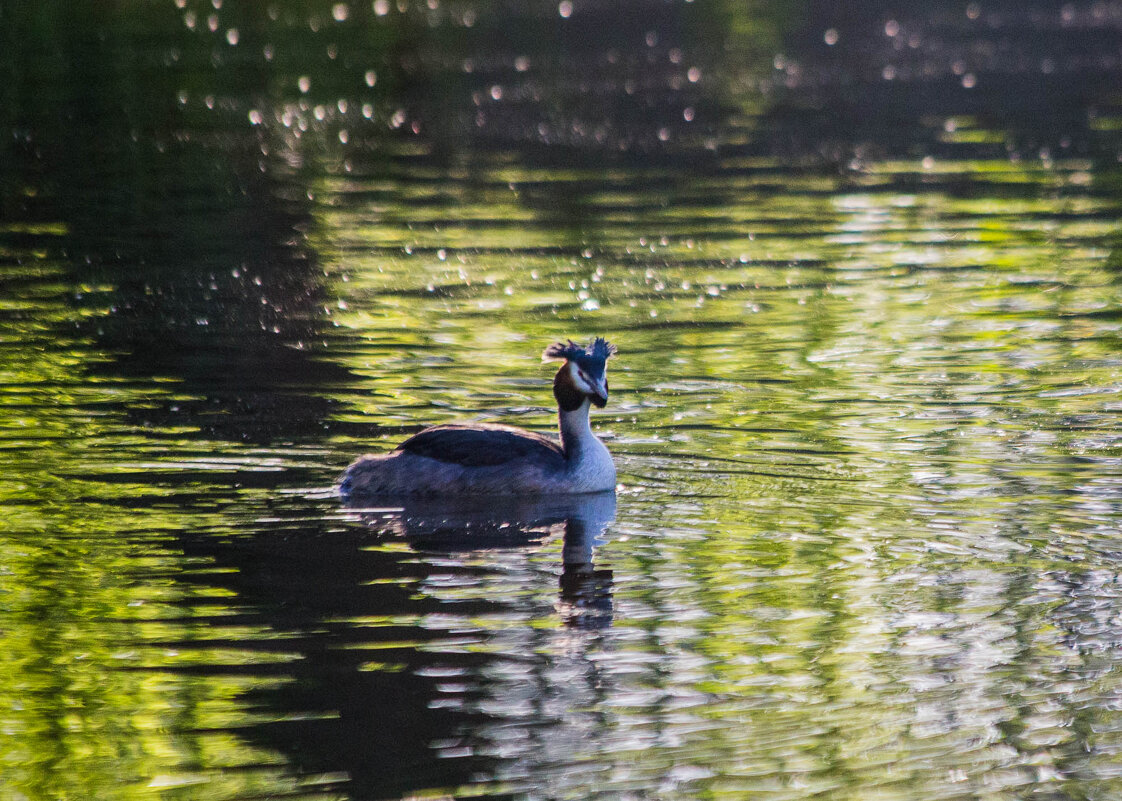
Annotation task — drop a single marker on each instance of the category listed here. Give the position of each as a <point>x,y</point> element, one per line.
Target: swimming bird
<point>486,459</point>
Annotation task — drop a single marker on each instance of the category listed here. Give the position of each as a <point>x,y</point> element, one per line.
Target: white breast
<point>593,470</point>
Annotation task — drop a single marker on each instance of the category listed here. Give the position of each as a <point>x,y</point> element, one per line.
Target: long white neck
<point>590,467</point>
<point>576,432</point>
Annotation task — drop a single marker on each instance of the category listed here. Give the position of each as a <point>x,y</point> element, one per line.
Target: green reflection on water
<point>863,440</point>
<point>97,628</point>
<point>856,459</point>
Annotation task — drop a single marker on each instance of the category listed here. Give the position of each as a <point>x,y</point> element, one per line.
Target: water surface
<point>862,271</point>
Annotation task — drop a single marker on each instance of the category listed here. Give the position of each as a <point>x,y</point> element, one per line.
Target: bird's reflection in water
<point>484,523</point>
<point>586,593</point>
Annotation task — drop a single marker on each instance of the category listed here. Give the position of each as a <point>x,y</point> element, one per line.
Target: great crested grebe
<point>501,460</point>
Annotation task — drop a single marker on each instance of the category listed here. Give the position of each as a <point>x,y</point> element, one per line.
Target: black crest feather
<point>599,349</point>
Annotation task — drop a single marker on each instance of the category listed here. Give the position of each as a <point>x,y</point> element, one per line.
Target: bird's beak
<point>600,393</point>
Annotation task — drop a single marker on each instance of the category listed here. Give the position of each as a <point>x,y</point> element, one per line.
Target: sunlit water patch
<point>866,438</point>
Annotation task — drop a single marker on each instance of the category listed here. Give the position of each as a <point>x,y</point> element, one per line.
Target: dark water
<point>862,265</point>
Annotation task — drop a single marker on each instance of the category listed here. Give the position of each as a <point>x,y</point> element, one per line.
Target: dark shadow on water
<point>367,696</point>
<point>482,523</point>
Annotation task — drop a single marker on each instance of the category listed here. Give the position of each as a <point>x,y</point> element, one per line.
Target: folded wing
<point>483,446</point>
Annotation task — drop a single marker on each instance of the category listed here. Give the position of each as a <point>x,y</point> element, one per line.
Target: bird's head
<point>584,373</point>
